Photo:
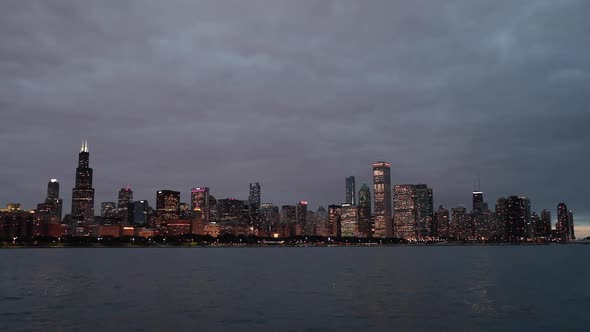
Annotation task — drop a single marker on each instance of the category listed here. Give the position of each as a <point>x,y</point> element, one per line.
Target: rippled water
<point>297,289</point>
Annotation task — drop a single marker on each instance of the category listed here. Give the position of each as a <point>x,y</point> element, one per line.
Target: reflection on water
<point>326,289</point>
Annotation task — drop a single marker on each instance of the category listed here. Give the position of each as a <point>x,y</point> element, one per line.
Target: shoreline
<point>262,245</point>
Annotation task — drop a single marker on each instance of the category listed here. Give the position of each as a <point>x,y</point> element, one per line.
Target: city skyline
<point>297,97</point>
<point>402,211</point>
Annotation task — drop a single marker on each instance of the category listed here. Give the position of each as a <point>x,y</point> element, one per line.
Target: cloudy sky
<point>297,95</point>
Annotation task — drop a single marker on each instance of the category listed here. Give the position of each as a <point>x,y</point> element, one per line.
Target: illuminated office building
<point>382,199</point>
<point>404,213</point>
<point>518,215</point>
<point>424,210</point>
<point>364,205</point>
<point>335,220</point>
<point>200,205</point>
<point>52,207</point>
<point>441,226</point>
<point>83,193</point>
<point>125,205</point>
<point>350,191</point>
<point>140,213</point>
<point>108,210</point>
<point>349,220</point>
<point>254,204</point>
<point>168,204</point>
<point>564,224</point>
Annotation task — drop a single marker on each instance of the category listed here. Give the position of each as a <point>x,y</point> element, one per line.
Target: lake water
<point>477,288</point>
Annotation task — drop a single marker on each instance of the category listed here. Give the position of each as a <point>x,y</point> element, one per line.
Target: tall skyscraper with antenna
<point>83,193</point>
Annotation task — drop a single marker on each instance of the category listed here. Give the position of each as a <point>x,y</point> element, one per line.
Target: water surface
<point>478,288</point>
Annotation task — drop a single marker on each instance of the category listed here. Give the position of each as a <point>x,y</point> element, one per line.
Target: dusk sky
<point>297,95</point>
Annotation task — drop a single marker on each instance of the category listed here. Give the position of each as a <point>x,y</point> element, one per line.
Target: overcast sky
<point>297,95</point>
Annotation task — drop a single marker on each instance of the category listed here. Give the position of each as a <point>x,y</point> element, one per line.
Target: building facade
<point>382,199</point>
<point>350,197</point>
<point>83,192</point>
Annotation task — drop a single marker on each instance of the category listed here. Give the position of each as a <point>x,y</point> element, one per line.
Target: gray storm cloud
<point>297,95</point>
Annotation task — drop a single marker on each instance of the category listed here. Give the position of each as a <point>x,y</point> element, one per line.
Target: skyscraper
<point>200,203</point>
<point>302,218</point>
<point>269,217</point>
<point>544,229</point>
<point>518,216</point>
<point>53,190</point>
<point>404,211</point>
<point>140,213</point>
<point>478,204</point>
<point>349,216</point>
<point>501,214</point>
<point>334,220</point>
<point>168,204</point>
<point>571,220</point>
<point>441,223</point>
<point>424,210</point>
<point>564,224</point>
<point>254,204</point>
<point>382,199</point>
<point>459,223</point>
<point>364,205</point>
<point>254,194</point>
<point>108,210</point>
<point>350,190</point>
<point>52,207</point>
<point>83,193</point>
<point>125,205</point>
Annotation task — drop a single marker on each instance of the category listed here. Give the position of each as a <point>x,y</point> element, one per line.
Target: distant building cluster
<point>403,211</point>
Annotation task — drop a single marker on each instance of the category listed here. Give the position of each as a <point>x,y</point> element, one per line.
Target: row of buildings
<point>402,211</point>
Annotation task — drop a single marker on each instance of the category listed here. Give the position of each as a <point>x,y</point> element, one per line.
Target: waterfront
<point>473,288</point>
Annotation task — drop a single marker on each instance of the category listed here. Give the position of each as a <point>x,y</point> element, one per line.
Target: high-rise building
<point>564,224</point>
<point>322,226</point>
<point>125,205</point>
<point>501,215</point>
<point>200,203</point>
<point>518,216</point>
<point>544,228</point>
<point>83,193</point>
<point>269,217</point>
<point>140,213</point>
<point>53,190</point>
<point>288,214</point>
<point>441,226</point>
<point>52,207</point>
<point>254,194</point>
<point>289,219</point>
<point>168,204</point>
<point>213,212</point>
<point>404,211</point>
<point>254,204</point>
<point>230,209</point>
<point>108,210</point>
<point>460,223</point>
<point>382,199</point>
<point>335,220</point>
<point>302,218</point>
<point>531,228</point>
<point>571,220</point>
<point>349,218</point>
<point>364,204</point>
<point>350,191</point>
<point>424,210</point>
<point>184,211</point>
<point>478,203</point>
